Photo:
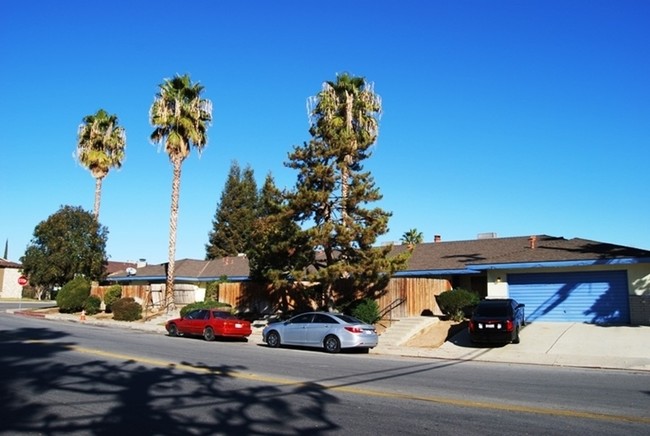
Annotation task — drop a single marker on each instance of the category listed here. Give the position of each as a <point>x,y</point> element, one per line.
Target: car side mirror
<point>521,305</point>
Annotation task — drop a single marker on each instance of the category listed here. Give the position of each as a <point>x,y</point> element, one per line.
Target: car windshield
<point>492,310</point>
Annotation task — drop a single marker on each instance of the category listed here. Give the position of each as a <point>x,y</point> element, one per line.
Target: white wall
<point>9,288</point>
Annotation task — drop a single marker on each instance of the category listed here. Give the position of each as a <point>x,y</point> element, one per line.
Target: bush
<point>112,294</point>
<point>212,291</point>
<point>127,309</point>
<point>203,305</point>
<point>457,302</point>
<point>367,311</point>
<point>73,295</point>
<point>92,305</point>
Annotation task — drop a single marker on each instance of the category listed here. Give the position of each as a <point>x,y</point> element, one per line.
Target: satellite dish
<point>130,271</point>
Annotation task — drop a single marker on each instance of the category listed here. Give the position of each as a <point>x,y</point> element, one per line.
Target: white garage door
<point>593,297</point>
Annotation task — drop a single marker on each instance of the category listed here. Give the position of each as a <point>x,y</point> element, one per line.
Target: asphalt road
<point>69,378</point>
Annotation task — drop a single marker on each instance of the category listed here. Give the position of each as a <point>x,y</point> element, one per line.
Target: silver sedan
<point>328,330</point>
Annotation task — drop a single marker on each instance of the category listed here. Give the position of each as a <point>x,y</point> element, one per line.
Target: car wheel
<point>273,339</point>
<point>172,330</point>
<point>208,334</point>
<point>332,344</point>
<point>515,339</point>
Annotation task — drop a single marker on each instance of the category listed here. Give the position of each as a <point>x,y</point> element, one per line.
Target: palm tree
<point>345,115</point>
<point>100,147</point>
<point>412,237</point>
<point>181,118</point>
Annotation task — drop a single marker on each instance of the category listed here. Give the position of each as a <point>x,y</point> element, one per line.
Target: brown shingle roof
<point>113,266</point>
<point>452,256</point>
<point>236,267</point>
<point>459,254</point>
<point>4,263</point>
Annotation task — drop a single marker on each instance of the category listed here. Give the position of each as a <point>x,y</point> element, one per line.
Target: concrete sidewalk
<point>554,344</point>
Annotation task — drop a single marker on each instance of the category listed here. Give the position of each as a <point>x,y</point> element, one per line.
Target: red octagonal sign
<point>22,280</point>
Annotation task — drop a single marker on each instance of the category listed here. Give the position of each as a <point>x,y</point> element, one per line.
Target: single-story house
<point>9,274</point>
<point>558,279</point>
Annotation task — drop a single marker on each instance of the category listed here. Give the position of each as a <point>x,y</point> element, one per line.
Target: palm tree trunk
<point>173,219</point>
<point>98,196</point>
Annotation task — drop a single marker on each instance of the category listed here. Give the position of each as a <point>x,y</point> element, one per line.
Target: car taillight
<point>472,326</point>
<point>354,329</point>
<point>509,325</point>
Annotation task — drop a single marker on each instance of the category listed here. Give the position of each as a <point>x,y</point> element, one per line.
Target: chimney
<point>437,238</point>
<point>532,242</point>
<point>141,263</point>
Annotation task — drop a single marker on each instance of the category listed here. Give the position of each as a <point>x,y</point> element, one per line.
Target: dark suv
<point>497,320</point>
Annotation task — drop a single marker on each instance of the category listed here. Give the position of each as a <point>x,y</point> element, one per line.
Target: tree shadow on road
<point>40,395</point>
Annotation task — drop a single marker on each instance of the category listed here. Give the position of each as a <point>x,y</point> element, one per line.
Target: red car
<point>209,323</point>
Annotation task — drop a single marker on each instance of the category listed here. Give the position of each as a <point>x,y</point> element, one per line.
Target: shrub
<point>367,311</point>
<point>457,302</point>
<point>212,291</point>
<point>203,305</point>
<point>73,294</point>
<point>127,309</point>
<point>112,294</point>
<point>92,304</point>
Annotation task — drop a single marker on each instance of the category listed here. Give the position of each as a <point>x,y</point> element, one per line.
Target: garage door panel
<point>594,297</point>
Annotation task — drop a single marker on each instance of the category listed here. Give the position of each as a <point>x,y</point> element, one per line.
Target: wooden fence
<point>404,297</point>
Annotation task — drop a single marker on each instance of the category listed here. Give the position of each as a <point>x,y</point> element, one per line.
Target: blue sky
<point>512,117</point>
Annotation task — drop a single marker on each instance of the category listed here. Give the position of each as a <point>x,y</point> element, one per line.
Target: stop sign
<point>22,280</point>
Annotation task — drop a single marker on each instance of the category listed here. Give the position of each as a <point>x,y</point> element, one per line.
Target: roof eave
<point>434,272</point>
<point>560,264</point>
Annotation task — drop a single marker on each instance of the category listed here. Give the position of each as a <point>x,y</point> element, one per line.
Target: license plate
<point>489,326</point>
<point>237,326</point>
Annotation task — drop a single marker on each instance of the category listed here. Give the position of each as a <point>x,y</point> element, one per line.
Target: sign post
<point>22,281</point>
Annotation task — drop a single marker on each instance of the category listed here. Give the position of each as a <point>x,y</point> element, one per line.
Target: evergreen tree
<point>332,192</point>
<point>235,215</point>
<point>281,250</point>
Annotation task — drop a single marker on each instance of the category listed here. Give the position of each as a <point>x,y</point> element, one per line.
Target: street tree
<point>235,215</point>
<point>100,146</point>
<point>68,243</point>
<point>181,118</point>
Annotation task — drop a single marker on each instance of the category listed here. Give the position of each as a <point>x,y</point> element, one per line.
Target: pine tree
<point>235,215</point>
<point>332,193</point>
<point>281,251</point>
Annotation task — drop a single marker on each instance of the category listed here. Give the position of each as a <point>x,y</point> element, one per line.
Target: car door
<point>294,331</point>
<point>315,331</point>
<point>197,321</point>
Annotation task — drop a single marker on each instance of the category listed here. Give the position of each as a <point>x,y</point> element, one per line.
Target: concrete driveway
<point>561,344</point>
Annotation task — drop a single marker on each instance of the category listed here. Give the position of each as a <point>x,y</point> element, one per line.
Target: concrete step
<point>404,329</point>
